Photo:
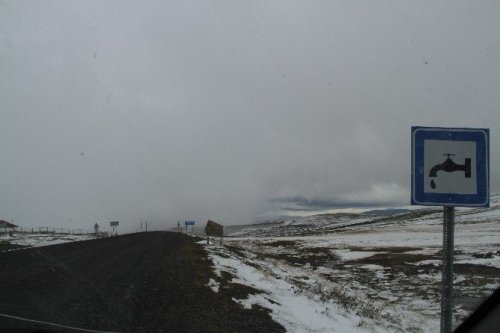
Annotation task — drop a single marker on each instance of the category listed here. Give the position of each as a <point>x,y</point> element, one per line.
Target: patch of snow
<point>430,277</point>
<point>492,262</point>
<point>296,312</point>
<point>434,262</point>
<point>425,251</point>
<point>372,267</point>
<point>214,285</point>
<point>303,301</point>
<point>347,255</point>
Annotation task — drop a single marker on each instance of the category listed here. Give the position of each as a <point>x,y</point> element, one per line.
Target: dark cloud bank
<point>230,110</point>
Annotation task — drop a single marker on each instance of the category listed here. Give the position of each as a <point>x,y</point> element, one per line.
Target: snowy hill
<point>326,223</point>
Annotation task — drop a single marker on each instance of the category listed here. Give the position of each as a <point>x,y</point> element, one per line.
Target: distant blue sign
<point>450,167</point>
<point>189,223</point>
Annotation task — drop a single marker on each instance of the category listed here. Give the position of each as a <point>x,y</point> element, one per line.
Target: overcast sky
<point>231,110</point>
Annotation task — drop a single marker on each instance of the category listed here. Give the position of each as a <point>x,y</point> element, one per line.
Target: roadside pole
<point>447,275</point>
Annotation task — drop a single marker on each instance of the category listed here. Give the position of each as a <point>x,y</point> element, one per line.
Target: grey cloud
<point>196,110</point>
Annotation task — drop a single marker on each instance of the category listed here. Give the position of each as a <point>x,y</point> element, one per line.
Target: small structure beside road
<point>214,229</point>
<point>7,227</point>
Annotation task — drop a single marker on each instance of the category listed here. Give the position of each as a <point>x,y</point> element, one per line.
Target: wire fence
<point>47,230</point>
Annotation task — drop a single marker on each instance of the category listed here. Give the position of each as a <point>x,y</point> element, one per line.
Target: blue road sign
<point>189,222</point>
<point>450,167</point>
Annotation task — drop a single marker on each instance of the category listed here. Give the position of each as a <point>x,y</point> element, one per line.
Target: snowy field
<point>19,241</point>
<point>355,273</point>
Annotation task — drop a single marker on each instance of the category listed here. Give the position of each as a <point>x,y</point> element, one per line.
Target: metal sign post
<point>450,167</point>
<point>114,225</point>
<point>447,270</point>
<point>191,223</point>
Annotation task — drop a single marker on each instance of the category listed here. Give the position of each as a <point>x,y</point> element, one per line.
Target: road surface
<point>143,282</point>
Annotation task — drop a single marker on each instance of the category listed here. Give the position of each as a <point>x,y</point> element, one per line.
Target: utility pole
<point>146,225</point>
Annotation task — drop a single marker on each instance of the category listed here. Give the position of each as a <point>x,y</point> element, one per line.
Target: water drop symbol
<point>433,185</point>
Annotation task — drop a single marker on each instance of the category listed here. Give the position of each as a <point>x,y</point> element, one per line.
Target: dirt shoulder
<point>144,282</point>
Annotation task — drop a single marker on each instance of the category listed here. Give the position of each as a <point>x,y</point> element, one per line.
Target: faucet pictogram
<point>450,166</point>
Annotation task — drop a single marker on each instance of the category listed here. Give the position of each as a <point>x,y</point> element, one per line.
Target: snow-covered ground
<point>363,274</point>
<point>36,240</point>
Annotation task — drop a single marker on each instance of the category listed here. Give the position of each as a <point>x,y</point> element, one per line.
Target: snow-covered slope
<point>360,273</point>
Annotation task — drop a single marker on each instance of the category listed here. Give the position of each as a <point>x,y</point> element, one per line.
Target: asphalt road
<point>144,282</point>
